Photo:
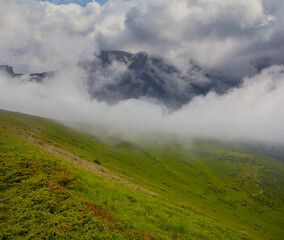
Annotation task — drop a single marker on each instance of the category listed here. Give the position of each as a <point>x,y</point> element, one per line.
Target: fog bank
<point>253,111</point>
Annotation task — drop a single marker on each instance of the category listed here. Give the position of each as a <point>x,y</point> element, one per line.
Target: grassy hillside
<point>57,182</point>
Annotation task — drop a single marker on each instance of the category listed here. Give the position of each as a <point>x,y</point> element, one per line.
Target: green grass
<point>207,190</point>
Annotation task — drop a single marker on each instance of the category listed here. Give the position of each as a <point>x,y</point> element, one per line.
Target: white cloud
<point>252,111</point>
<point>39,36</point>
<point>234,38</point>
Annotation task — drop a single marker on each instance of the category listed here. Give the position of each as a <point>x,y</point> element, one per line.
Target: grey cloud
<point>217,34</point>
<point>228,37</point>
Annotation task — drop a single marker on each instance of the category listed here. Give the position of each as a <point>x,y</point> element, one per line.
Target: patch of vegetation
<point>39,200</point>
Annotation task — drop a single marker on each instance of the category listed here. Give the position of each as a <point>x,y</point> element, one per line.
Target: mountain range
<point>113,76</point>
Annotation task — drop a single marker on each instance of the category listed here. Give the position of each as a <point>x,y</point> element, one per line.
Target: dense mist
<point>254,111</point>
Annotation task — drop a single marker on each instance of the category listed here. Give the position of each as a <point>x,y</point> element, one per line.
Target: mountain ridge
<point>139,76</point>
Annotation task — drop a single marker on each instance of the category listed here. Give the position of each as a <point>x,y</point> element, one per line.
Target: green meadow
<point>58,182</point>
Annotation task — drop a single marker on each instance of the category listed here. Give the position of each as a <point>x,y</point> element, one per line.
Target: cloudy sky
<point>235,39</point>
<point>79,2</point>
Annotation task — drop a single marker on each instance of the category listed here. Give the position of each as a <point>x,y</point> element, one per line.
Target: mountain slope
<point>111,188</point>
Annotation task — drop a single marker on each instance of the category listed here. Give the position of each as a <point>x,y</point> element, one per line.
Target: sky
<point>79,2</point>
<point>234,39</point>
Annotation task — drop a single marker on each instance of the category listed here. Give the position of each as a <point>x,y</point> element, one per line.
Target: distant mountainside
<point>144,76</point>
<point>118,75</point>
<point>9,71</point>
